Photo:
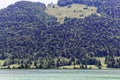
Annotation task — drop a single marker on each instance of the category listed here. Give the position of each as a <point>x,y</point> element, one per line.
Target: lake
<point>37,74</point>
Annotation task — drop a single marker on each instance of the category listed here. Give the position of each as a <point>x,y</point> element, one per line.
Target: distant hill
<point>32,37</point>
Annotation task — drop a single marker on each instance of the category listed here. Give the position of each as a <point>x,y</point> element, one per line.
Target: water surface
<point>59,74</point>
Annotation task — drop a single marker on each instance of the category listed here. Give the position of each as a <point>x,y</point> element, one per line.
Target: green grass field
<point>71,11</point>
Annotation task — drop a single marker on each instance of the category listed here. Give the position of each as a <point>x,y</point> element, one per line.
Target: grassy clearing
<point>1,63</point>
<point>14,66</point>
<point>78,67</point>
<point>70,67</point>
<point>71,11</point>
<point>102,59</point>
<point>11,66</point>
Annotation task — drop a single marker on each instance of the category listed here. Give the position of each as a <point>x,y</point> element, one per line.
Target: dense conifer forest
<point>31,38</point>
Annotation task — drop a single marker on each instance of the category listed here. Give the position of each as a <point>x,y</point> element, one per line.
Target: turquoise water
<point>59,74</point>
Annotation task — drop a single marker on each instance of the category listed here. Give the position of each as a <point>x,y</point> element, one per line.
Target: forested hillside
<point>31,38</point>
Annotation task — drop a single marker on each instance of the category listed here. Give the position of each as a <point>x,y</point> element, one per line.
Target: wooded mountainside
<point>31,37</point>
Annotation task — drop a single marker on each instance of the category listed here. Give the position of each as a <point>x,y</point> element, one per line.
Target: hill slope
<point>31,38</point>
